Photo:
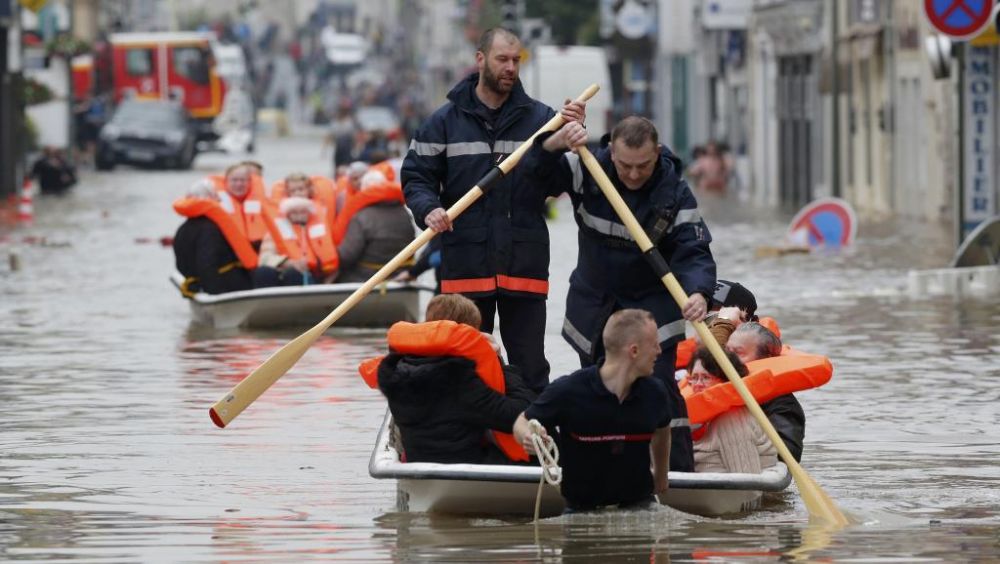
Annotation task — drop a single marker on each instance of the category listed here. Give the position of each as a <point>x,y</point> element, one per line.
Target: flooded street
<point>107,453</point>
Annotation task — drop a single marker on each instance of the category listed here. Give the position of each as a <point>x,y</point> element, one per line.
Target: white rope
<point>548,458</point>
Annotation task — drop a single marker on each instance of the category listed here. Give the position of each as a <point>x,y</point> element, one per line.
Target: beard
<point>492,82</point>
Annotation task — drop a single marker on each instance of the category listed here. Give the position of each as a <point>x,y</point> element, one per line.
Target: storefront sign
<point>980,144</point>
<point>726,14</point>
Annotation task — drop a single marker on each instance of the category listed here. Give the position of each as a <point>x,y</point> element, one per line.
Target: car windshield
<point>163,115</point>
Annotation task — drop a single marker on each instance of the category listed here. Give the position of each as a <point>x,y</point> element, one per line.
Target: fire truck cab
<point>171,66</point>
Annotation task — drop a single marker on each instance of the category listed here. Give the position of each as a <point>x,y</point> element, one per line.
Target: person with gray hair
<point>752,341</point>
<point>611,421</point>
<point>373,227</point>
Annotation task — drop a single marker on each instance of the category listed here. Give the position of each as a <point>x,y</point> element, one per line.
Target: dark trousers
<point>681,446</point>
<point>266,277</point>
<point>522,329</point>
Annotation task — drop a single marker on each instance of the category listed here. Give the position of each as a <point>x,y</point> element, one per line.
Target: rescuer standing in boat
<point>611,272</point>
<point>497,252</point>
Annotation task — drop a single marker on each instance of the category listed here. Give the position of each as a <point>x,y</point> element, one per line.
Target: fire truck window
<point>139,62</point>
<point>190,63</point>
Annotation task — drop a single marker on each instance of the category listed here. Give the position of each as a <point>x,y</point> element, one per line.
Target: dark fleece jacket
<point>443,409</point>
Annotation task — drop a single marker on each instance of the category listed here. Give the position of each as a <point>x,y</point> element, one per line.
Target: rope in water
<point>548,459</point>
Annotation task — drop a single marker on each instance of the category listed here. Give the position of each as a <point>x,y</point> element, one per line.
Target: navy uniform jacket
<point>500,243</point>
<point>611,272</point>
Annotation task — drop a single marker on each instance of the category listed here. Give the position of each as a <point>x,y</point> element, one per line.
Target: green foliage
<point>573,22</point>
<point>35,92</point>
<point>30,134</point>
<point>67,46</point>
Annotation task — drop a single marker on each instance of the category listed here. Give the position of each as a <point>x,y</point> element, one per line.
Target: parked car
<point>149,133</point>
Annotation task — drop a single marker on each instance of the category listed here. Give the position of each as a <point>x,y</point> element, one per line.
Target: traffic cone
<point>25,208</point>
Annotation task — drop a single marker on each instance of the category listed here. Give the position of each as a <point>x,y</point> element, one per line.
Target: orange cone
<point>25,208</point>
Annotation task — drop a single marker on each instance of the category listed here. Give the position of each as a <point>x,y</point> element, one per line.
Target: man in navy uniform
<point>611,422</point>
<point>611,272</point>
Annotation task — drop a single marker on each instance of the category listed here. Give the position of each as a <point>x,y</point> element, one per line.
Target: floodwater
<point>107,453</point>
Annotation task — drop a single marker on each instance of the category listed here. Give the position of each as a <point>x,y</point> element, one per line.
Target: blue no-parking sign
<point>959,19</point>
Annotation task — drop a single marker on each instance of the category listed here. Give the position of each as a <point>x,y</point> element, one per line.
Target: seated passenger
<point>241,194</point>
<point>209,249</point>
<point>348,185</point>
<point>53,171</point>
<point>316,188</point>
<point>300,250</point>
<point>444,404</point>
<point>733,441</point>
<point>372,229</point>
<point>752,341</point>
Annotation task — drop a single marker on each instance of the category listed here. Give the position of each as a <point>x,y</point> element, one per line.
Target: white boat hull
<point>482,489</point>
<point>284,306</point>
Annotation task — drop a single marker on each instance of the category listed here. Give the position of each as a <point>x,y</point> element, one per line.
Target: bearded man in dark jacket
<point>497,252</point>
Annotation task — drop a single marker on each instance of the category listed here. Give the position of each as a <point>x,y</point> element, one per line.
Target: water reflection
<point>107,453</point>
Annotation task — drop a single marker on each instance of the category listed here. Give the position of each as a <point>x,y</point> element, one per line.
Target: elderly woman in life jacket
<point>733,441</point>
<point>299,249</point>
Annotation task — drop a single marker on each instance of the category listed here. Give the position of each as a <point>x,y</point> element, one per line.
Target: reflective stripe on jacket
<point>611,272</point>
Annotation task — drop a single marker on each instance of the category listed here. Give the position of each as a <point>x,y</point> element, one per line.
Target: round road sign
<point>960,19</point>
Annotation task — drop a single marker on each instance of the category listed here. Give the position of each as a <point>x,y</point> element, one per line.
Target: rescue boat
<point>286,306</point>
<point>510,490</point>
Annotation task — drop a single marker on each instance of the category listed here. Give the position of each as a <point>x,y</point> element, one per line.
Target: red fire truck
<point>169,65</point>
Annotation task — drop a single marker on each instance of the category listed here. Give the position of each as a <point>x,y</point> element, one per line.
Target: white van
<point>552,73</point>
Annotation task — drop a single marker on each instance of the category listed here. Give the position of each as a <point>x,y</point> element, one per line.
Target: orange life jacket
<point>198,207</point>
<point>686,348</point>
<point>388,192</point>
<point>311,241</point>
<point>769,378</point>
<point>324,194</point>
<point>342,192</point>
<point>447,338</point>
<point>387,170</point>
<point>254,214</point>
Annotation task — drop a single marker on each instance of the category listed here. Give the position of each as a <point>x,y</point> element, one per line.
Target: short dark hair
<point>635,131</point>
<point>712,367</point>
<point>486,39</point>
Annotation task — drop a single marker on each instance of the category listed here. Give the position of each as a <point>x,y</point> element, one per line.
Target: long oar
<point>820,506</point>
<point>258,381</point>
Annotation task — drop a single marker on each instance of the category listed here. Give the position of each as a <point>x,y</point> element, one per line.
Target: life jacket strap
<point>229,266</point>
<point>185,287</point>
